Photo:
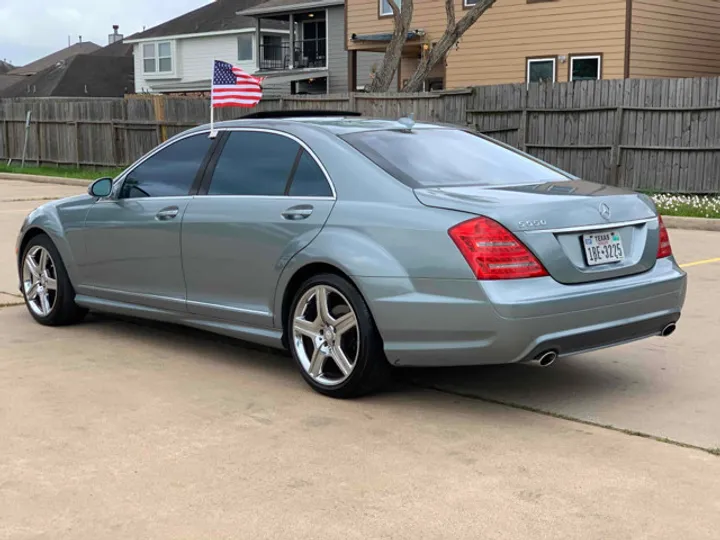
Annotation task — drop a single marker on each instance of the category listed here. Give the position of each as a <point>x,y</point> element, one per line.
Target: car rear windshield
<point>448,157</point>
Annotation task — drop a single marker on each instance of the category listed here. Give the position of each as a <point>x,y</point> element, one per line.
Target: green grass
<point>63,172</point>
<point>699,206</point>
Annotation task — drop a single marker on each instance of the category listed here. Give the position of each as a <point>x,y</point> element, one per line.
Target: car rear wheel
<point>49,295</point>
<point>334,340</point>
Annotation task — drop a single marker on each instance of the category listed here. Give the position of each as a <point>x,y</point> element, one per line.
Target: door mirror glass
<point>101,187</point>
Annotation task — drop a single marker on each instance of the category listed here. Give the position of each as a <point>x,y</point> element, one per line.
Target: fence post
<point>77,144</point>
<point>351,102</point>
<point>114,144</point>
<point>27,137</point>
<point>39,142</point>
<point>616,150</point>
<point>6,140</point>
<point>523,128</point>
<point>159,106</point>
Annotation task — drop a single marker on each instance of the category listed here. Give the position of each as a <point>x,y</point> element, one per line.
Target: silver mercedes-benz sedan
<point>358,244</point>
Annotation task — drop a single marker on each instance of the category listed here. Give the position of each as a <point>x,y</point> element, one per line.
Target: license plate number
<point>603,248</point>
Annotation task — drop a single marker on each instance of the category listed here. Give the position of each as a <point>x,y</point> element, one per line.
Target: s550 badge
<point>530,224</point>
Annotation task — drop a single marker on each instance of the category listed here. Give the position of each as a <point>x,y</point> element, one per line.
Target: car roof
<point>338,125</point>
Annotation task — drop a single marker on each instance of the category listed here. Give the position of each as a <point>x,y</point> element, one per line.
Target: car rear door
<point>132,239</point>
<point>265,197</point>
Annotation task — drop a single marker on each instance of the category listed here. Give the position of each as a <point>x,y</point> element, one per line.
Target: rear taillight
<point>664,248</point>
<point>493,252</point>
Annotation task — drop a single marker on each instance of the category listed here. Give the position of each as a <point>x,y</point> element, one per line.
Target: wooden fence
<point>659,135</point>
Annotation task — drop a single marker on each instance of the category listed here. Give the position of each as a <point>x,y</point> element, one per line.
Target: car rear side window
<point>254,163</point>
<point>170,172</point>
<point>309,179</point>
<point>445,157</point>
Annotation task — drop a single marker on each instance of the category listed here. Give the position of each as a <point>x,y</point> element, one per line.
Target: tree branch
<point>453,33</point>
<point>402,17</point>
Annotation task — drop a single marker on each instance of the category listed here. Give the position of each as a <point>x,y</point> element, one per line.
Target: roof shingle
<point>286,6</point>
<point>83,75</point>
<point>84,47</point>
<point>215,17</point>
<point>5,67</point>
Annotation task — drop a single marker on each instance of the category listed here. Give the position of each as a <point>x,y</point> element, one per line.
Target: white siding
<point>337,55</point>
<point>194,60</point>
<point>197,56</point>
<point>141,84</point>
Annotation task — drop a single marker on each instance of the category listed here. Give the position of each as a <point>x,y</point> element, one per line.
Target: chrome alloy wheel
<point>39,281</point>
<point>326,335</point>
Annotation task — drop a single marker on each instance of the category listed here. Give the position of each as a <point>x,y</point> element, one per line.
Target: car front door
<point>266,198</point>
<point>132,238</point>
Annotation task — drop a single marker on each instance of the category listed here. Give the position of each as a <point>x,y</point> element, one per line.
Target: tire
<point>354,362</point>
<point>48,306</point>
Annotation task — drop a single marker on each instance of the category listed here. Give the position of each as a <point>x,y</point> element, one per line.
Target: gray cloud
<point>30,29</point>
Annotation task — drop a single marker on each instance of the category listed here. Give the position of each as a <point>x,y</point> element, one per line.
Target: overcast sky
<point>31,29</point>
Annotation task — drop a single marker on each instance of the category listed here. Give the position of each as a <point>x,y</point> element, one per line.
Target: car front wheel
<point>49,295</point>
<point>334,340</point>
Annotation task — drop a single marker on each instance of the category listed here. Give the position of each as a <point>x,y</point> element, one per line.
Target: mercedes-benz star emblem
<point>604,211</point>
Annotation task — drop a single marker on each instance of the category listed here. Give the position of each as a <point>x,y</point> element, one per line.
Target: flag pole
<point>213,133</point>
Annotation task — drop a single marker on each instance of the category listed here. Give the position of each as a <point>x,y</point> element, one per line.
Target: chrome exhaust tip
<point>669,330</point>
<point>545,359</point>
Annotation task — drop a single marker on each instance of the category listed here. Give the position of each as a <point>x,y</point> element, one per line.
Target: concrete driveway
<point>667,388</point>
<point>16,200</point>
<point>120,429</point>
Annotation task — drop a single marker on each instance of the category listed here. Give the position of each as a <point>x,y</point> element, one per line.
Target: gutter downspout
<point>628,37</point>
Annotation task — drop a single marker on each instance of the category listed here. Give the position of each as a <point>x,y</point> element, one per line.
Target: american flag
<point>232,87</point>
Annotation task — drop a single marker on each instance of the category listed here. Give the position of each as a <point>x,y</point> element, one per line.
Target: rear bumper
<point>428,322</point>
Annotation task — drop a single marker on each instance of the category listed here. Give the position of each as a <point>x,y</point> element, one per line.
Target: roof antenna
<point>408,122</point>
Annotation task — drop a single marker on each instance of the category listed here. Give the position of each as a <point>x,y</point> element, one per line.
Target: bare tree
<point>402,19</point>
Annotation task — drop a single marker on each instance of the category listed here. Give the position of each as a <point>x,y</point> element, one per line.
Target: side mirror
<point>101,188</point>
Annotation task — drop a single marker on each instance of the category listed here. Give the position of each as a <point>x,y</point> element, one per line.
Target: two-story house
<point>312,57</point>
<point>552,40</point>
<point>177,57</point>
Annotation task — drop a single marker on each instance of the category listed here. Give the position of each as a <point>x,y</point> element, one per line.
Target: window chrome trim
<point>302,144</point>
<point>283,197</point>
<point>117,183</point>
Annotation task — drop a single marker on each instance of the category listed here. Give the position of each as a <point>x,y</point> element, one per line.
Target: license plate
<point>603,248</point>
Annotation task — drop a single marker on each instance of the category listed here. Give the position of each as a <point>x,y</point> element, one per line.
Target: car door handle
<point>166,214</point>
<point>297,213</point>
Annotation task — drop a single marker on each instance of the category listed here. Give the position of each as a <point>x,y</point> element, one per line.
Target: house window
<point>540,70</point>
<point>275,53</point>
<point>245,47</point>
<point>585,68</point>
<point>385,9</point>
<point>469,3</point>
<point>157,57</point>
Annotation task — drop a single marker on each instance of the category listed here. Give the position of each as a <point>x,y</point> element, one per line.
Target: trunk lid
<point>576,229</point>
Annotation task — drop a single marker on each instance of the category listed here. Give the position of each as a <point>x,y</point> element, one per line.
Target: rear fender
<point>351,252</point>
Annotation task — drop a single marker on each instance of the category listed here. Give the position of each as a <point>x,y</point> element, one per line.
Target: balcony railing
<point>308,53</point>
